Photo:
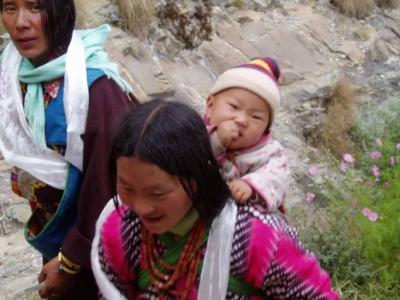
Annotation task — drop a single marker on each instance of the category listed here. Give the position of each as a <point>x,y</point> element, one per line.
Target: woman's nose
<point>22,20</point>
<point>142,207</point>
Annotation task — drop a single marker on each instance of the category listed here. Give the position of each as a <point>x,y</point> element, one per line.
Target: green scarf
<point>96,58</point>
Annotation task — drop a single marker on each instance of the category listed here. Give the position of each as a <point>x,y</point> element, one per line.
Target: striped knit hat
<point>260,76</point>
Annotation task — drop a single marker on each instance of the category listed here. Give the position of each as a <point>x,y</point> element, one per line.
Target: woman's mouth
<point>25,43</point>
<point>152,220</point>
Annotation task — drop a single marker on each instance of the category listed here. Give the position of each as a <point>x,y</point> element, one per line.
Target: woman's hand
<point>54,281</point>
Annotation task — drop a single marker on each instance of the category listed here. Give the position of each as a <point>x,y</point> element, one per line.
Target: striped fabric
<point>265,253</point>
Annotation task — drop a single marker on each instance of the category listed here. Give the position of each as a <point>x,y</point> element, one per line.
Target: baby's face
<point>249,112</point>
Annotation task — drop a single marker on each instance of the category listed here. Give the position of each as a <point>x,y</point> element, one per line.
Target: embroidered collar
<point>186,223</point>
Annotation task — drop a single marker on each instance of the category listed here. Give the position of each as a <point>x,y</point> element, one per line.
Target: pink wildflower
<point>375,171</point>
<point>378,141</point>
<point>366,211</point>
<point>375,154</point>
<point>371,215</point>
<point>348,158</point>
<point>313,170</point>
<point>392,161</point>
<point>309,197</point>
<point>398,146</point>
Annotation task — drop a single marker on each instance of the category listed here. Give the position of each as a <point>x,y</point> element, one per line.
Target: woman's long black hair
<point>173,136</point>
<point>58,21</point>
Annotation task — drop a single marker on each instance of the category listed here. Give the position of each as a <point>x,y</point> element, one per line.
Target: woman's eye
<point>125,189</point>
<point>8,9</point>
<point>159,194</point>
<point>35,8</point>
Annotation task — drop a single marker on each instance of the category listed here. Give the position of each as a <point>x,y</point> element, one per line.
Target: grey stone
<point>95,13</point>
<point>351,50</point>
<point>220,55</point>
<point>230,32</point>
<point>292,48</point>
<point>139,64</point>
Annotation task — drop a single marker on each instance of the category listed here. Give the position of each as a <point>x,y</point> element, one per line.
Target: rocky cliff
<point>177,48</point>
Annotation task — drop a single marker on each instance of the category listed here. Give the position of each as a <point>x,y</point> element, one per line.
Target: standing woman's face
<point>23,21</point>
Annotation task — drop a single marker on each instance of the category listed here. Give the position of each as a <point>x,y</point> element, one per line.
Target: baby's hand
<point>240,190</point>
<point>227,131</point>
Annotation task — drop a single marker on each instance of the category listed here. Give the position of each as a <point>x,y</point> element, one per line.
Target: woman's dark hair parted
<point>58,21</point>
<point>173,136</point>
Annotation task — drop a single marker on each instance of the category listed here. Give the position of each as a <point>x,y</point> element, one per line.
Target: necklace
<point>163,275</point>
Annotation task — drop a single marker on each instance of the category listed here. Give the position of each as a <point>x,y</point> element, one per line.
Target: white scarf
<point>216,264</point>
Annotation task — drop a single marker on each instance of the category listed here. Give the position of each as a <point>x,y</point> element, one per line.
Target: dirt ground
<point>19,262</point>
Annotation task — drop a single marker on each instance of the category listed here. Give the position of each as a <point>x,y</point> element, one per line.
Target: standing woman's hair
<point>173,136</point>
<point>58,18</point>
<point>58,21</point>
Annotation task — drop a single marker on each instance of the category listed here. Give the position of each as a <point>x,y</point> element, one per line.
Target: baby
<point>240,111</point>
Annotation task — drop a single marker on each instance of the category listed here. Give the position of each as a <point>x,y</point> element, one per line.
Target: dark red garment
<point>107,104</point>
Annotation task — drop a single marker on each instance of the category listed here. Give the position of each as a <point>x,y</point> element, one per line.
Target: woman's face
<point>23,21</point>
<point>156,197</point>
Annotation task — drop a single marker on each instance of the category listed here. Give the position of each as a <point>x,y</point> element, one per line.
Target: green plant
<point>353,225</point>
<point>376,121</point>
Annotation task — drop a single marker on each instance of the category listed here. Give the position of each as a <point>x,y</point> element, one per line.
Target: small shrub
<point>238,4</point>
<point>341,111</point>
<point>191,27</point>
<point>136,16</point>
<point>388,3</point>
<point>377,120</point>
<point>355,8</point>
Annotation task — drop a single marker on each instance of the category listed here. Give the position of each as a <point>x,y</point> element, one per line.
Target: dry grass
<point>388,3</point>
<point>340,118</point>
<point>238,4</point>
<point>355,8</point>
<point>136,16</point>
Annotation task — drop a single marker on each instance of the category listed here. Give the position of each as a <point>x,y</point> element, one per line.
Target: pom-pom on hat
<point>260,76</point>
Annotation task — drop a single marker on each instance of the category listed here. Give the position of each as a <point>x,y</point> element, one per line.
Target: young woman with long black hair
<point>172,231</point>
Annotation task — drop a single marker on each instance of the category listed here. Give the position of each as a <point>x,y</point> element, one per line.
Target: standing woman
<point>59,95</point>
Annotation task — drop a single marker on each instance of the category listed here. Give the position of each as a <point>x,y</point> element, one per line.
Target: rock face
<point>94,13</point>
<point>191,42</point>
<point>189,23</point>
<point>183,45</point>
